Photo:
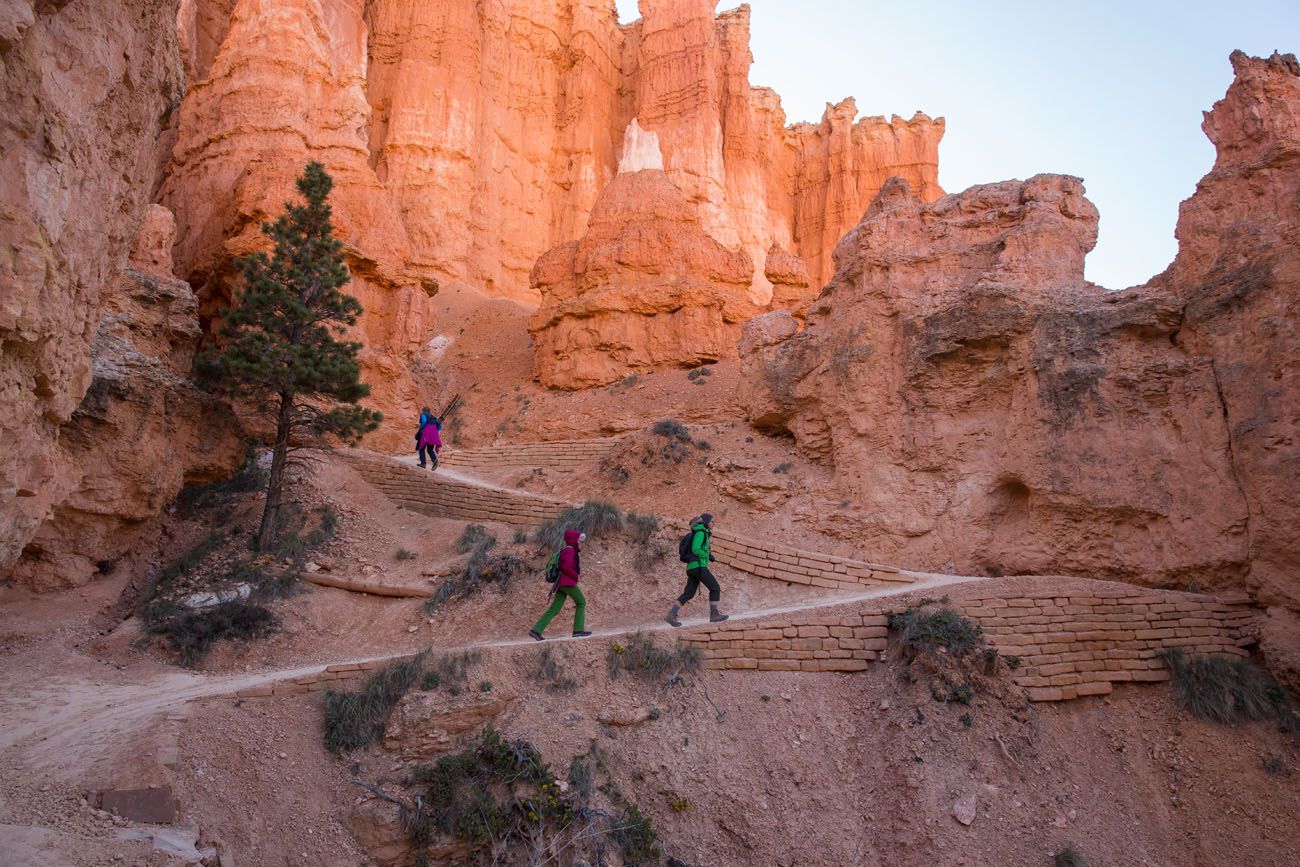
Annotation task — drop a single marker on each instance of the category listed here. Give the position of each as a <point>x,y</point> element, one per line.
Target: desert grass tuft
<point>643,658</point>
<point>356,719</point>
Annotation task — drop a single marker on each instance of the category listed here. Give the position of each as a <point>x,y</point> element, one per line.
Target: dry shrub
<point>1228,690</point>
<point>475,536</point>
<point>357,719</point>
<point>596,518</point>
<point>642,657</point>
<point>191,633</point>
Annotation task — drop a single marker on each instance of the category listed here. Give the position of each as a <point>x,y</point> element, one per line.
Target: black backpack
<point>684,552</point>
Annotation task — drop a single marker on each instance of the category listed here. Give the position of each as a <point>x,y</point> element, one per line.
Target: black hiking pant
<point>433,456</point>
<point>694,578</point>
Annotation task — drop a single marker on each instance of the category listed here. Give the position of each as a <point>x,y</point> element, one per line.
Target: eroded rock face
<point>468,139</point>
<point>425,725</point>
<point>141,431</point>
<point>1238,275</point>
<point>988,410</point>
<point>646,287</point>
<point>83,98</point>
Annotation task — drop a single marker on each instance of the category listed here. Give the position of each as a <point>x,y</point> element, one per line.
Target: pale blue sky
<point>1107,90</point>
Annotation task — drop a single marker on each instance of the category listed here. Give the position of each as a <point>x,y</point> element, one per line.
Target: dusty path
<point>51,721</point>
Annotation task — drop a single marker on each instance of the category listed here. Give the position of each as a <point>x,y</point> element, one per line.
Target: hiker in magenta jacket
<point>567,585</point>
<point>430,442</point>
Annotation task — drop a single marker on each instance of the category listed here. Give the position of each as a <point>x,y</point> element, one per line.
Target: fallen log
<point>327,580</point>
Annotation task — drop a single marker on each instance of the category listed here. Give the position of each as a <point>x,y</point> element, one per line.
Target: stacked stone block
<point>797,566</point>
<point>557,454</point>
<point>1077,644</point>
<point>442,497</point>
<point>795,642</point>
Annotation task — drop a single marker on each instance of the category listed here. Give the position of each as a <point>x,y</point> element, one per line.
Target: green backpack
<point>553,567</point>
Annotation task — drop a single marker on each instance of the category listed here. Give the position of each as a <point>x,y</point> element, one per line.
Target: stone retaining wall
<point>1075,644</point>
<point>428,493</point>
<point>797,566</point>
<point>558,454</point>
<point>1066,645</point>
<point>801,641</point>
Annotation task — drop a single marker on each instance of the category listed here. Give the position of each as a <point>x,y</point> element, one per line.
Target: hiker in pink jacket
<point>430,443</point>
<point>567,586</point>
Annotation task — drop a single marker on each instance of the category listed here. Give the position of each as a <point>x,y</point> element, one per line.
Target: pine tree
<point>278,344</point>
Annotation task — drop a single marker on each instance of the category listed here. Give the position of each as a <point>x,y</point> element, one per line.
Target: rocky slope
<point>468,139</point>
<point>987,409</point>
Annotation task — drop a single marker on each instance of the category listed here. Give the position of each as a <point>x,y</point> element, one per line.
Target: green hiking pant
<point>579,613</point>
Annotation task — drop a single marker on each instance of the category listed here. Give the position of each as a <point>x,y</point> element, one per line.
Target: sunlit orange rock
<point>646,287</point>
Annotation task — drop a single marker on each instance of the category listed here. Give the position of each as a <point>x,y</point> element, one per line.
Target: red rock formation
<point>645,287</point>
<point>82,101</point>
<point>467,139</point>
<point>285,87</point>
<point>1238,273</point>
<point>142,430</point>
<point>788,275</point>
<point>987,409</point>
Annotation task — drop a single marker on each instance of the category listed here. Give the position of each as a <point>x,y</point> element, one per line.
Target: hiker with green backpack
<point>563,572</point>
<point>693,550</point>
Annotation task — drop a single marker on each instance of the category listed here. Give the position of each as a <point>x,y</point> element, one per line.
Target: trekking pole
<point>451,406</point>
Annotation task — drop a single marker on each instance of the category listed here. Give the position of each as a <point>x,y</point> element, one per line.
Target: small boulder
<point>963,809</point>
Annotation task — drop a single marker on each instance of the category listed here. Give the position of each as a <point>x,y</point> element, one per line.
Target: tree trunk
<point>266,533</point>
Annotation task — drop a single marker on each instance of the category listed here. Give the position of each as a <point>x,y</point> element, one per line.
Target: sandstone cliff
<point>986,409</point>
<point>467,139</point>
<point>645,287</point>
<point>285,86</point>
<point>84,86</point>
<point>141,431</point>
<point>1238,275</point>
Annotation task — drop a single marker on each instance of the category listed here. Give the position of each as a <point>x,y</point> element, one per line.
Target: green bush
<point>636,837</point>
<point>191,634</point>
<point>248,478</point>
<point>357,719</point>
<point>925,630</point>
<point>671,429</point>
<point>470,795</point>
<point>150,606</point>
<point>1069,857</point>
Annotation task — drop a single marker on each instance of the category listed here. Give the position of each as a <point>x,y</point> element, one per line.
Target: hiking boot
<point>421,466</point>
<point>672,615</point>
<point>716,616</point>
<point>581,633</point>
<point>536,635</point>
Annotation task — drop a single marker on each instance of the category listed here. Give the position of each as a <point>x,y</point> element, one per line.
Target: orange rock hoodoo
<point>646,286</point>
<point>467,139</point>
